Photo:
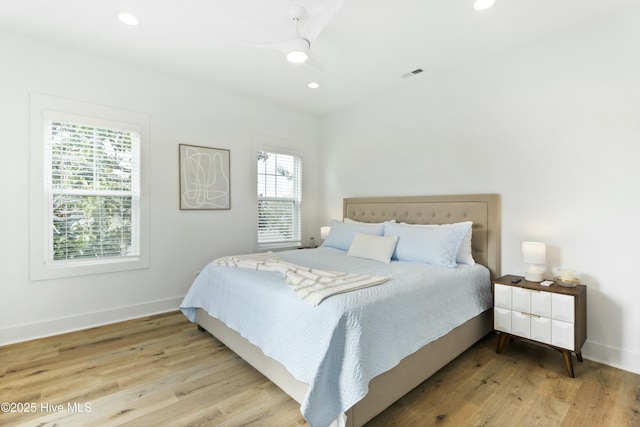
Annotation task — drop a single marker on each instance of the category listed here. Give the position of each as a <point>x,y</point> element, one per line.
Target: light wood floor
<point>161,370</point>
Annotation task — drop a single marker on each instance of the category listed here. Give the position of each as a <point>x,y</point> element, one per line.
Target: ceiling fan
<point>306,28</point>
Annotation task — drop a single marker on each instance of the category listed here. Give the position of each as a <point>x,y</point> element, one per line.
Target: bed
<point>392,383</point>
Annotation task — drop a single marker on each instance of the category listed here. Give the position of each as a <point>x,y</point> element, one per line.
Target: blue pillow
<point>437,245</point>
<point>341,234</point>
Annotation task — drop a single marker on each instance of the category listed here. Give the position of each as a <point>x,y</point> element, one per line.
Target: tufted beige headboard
<point>482,209</point>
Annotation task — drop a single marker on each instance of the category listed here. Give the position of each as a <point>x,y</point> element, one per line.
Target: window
<point>86,190</point>
<point>92,180</point>
<point>279,198</point>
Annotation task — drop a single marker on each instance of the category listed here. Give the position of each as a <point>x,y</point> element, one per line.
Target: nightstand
<point>552,315</point>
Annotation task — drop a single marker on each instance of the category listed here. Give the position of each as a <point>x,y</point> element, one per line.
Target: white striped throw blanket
<point>310,284</point>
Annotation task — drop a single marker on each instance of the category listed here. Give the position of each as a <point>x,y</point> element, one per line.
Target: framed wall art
<point>204,177</point>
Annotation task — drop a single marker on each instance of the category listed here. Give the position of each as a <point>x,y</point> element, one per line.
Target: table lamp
<point>534,254</point>
<point>324,232</point>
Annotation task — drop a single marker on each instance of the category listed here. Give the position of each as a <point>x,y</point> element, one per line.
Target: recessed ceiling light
<point>483,4</point>
<point>313,85</point>
<point>127,18</point>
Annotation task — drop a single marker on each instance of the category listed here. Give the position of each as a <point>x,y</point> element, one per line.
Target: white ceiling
<point>365,48</point>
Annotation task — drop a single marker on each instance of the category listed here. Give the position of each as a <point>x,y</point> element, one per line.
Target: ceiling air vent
<point>412,73</point>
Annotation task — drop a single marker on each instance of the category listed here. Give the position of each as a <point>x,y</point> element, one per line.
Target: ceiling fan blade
<point>318,19</point>
<point>315,62</point>
<point>283,46</point>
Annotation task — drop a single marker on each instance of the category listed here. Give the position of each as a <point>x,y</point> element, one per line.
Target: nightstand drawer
<point>502,296</point>
<point>502,319</point>
<point>521,300</point>
<point>521,324</point>
<point>541,329</point>
<point>563,308</point>
<point>530,326</point>
<point>562,334</point>
<point>541,303</point>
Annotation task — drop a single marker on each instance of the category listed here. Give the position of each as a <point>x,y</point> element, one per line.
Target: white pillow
<point>465,255</point>
<point>376,248</point>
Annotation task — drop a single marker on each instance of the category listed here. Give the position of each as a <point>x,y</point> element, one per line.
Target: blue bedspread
<point>338,346</point>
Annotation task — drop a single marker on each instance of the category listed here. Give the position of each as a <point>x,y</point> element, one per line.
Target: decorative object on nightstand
<point>534,253</point>
<point>551,315</point>
<point>566,278</point>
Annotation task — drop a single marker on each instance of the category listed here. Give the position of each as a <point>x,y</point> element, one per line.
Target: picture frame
<point>205,177</point>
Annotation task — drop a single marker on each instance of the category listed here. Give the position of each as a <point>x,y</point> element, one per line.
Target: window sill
<point>85,268</point>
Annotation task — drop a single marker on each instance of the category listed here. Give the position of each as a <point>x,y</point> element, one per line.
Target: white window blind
<point>279,198</point>
<point>92,183</point>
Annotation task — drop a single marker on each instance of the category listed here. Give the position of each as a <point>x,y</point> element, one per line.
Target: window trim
<point>280,146</point>
<point>44,108</point>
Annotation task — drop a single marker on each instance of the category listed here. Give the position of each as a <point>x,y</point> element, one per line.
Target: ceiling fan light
<point>297,56</point>
<point>128,19</point>
<point>483,4</point>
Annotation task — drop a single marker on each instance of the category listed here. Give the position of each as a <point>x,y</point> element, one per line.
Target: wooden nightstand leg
<point>501,340</point>
<point>579,356</point>
<point>568,362</point>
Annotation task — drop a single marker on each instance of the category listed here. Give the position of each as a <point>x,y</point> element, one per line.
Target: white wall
<point>182,242</point>
<point>554,127</point>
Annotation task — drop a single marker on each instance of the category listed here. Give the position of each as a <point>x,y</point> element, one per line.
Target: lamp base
<point>533,277</point>
<point>534,273</point>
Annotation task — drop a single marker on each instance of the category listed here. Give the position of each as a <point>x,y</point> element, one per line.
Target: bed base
<point>385,389</point>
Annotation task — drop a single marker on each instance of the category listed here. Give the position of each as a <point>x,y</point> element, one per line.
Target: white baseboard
<point>63,325</point>
<point>618,358</point>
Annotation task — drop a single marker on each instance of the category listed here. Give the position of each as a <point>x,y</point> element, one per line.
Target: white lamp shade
<point>534,252</point>
<point>324,232</point>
